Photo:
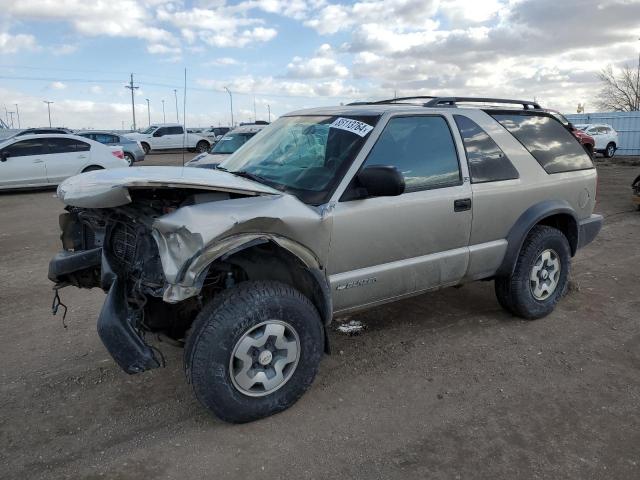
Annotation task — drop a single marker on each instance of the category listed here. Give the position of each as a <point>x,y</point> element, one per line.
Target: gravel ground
<point>441,386</point>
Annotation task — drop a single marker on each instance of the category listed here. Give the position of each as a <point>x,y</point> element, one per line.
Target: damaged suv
<point>325,212</point>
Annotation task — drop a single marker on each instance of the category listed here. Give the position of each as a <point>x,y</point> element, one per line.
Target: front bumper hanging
<point>118,335</point>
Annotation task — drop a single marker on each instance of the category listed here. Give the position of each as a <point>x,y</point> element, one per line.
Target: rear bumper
<point>588,229</point>
<point>137,153</point>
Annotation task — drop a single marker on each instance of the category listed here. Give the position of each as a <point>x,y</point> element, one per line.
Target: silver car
<point>225,147</point>
<point>328,211</point>
<point>132,149</point>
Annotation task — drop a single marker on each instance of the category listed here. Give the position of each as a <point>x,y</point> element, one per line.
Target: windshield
<point>149,130</point>
<point>231,142</point>
<point>304,155</point>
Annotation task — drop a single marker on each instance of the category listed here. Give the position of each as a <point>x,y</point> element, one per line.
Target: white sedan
<point>46,160</point>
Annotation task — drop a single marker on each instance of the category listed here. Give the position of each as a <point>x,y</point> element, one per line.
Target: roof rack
<point>394,100</point>
<point>452,101</point>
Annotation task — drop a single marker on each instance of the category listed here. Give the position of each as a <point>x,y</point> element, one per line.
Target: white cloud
<point>95,89</point>
<point>63,49</point>
<point>57,86</point>
<point>222,62</point>
<point>322,65</point>
<point>276,87</point>
<point>14,43</point>
<point>159,48</point>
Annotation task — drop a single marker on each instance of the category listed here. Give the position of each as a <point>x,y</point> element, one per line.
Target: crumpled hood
<point>110,188</point>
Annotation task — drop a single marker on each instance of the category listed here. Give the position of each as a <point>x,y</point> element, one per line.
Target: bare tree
<point>620,91</point>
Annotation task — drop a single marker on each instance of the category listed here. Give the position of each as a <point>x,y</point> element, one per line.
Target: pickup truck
<point>169,136</point>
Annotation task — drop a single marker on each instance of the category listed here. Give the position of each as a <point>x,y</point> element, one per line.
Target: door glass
<point>61,145</point>
<point>422,148</point>
<point>34,146</point>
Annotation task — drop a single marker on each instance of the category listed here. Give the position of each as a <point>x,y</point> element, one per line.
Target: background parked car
<point>585,139</point>
<point>132,149</point>
<point>168,136</point>
<point>215,133</point>
<point>43,131</point>
<point>606,138</point>
<point>46,160</point>
<point>227,145</point>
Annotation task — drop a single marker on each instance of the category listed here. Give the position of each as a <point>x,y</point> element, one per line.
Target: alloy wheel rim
<point>545,275</point>
<point>264,358</point>
<point>610,151</point>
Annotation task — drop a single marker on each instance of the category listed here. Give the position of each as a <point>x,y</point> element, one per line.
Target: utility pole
<point>11,114</point>
<point>133,104</point>
<point>148,111</point>
<point>255,115</point>
<point>269,110</point>
<point>231,103</point>
<point>175,94</point>
<point>49,109</point>
<point>164,117</point>
<point>18,115</point>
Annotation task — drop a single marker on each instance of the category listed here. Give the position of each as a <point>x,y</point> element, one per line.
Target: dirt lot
<point>445,385</point>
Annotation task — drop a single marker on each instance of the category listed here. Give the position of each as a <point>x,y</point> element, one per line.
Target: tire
<point>238,318</point>
<point>145,147</point>
<point>129,158</point>
<point>545,255</point>
<point>92,168</point>
<point>202,146</point>
<point>610,151</point>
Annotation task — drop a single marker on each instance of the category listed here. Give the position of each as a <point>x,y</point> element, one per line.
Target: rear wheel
<point>129,158</point>
<point>540,275</point>
<point>610,150</point>
<point>91,168</point>
<point>254,350</point>
<point>202,146</point>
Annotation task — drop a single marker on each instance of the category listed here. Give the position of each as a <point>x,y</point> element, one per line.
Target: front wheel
<point>254,351</point>
<point>145,147</point>
<point>129,158</point>
<point>540,275</point>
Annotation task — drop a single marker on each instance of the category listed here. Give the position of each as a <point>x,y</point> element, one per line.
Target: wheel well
<point>91,168</point>
<point>269,261</point>
<point>567,225</point>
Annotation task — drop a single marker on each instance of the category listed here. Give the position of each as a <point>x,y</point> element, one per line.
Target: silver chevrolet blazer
<point>324,212</point>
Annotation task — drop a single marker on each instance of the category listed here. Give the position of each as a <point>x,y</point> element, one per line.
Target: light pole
<point>164,117</point>
<point>148,111</point>
<point>11,114</point>
<point>231,103</point>
<point>133,105</point>
<point>175,94</point>
<point>18,114</point>
<point>49,109</point>
<point>269,110</point>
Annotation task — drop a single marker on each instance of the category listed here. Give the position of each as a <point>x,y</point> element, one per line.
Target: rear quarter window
<point>552,145</point>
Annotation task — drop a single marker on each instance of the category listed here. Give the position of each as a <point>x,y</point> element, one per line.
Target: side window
<point>161,131</point>
<point>61,145</point>
<point>67,145</point>
<point>552,145</point>
<point>176,130</point>
<point>487,162</point>
<point>422,148</point>
<point>105,138</point>
<point>25,148</point>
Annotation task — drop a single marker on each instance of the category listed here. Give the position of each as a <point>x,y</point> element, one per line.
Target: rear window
<point>551,144</point>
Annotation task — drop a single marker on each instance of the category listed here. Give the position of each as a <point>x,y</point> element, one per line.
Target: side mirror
<point>570,126</point>
<point>380,181</point>
<point>4,156</point>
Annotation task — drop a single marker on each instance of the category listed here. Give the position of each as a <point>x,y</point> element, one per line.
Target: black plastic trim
<point>66,262</point>
<point>589,229</point>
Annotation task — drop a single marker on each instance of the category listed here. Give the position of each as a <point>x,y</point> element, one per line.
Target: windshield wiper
<point>250,176</point>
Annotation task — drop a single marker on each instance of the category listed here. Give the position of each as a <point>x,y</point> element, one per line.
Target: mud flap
<point>122,341</point>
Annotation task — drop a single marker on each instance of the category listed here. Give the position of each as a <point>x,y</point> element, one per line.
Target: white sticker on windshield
<point>353,126</point>
<point>226,139</point>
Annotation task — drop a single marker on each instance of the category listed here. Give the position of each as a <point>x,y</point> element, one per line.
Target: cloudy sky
<point>296,53</point>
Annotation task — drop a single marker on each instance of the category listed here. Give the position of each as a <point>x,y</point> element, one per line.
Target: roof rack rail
<point>452,101</point>
<point>394,100</point>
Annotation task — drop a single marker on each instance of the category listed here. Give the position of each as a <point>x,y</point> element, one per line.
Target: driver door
<point>23,164</point>
<point>388,247</point>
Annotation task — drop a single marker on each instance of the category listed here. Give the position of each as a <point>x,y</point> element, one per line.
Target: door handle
<point>38,161</point>
<point>82,156</point>
<point>462,205</point>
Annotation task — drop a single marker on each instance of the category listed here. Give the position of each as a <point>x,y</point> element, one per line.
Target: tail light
<point>118,153</point>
